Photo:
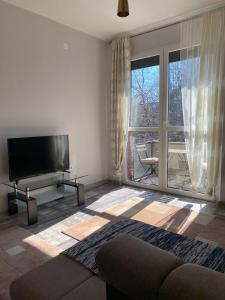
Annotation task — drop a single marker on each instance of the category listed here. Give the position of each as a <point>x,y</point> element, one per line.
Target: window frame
<point>145,54</point>
<point>164,127</point>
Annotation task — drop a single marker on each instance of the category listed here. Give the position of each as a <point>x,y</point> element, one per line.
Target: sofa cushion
<point>50,281</point>
<point>135,267</point>
<point>92,289</point>
<point>193,282</point>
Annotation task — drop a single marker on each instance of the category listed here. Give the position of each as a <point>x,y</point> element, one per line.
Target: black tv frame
<point>47,171</point>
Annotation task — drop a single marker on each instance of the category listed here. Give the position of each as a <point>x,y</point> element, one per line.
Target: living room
<point>112,149</point>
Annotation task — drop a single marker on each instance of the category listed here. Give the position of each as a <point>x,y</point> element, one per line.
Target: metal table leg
<point>31,203</point>
<point>79,189</point>
<point>80,194</point>
<point>32,217</point>
<point>12,205</point>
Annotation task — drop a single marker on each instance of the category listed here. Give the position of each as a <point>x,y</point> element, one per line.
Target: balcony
<point>178,176</point>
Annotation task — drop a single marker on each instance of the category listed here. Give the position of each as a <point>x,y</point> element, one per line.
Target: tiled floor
<point>23,247</point>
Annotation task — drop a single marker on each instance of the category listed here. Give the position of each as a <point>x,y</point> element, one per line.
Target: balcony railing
<point>178,175</point>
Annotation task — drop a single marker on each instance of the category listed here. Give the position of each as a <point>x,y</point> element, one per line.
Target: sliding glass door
<point>156,152</point>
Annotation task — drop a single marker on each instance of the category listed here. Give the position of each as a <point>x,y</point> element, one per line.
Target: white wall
<point>46,89</point>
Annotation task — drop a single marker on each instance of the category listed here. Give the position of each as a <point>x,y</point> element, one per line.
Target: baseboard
<point>115,182</point>
<point>90,186</point>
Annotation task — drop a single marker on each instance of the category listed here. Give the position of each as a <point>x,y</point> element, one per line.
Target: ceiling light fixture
<point>123,8</point>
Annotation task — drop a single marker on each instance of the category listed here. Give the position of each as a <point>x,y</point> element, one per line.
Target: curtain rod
<point>181,19</point>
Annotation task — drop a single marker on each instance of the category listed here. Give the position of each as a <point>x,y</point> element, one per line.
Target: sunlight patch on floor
<point>36,242</point>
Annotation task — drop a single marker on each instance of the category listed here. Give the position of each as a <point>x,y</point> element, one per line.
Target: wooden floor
<point>61,225</point>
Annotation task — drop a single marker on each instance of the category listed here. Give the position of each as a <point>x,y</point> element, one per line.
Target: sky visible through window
<point>145,96</point>
<point>145,92</point>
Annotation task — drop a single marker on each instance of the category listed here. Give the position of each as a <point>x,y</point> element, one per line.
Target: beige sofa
<point>131,268</point>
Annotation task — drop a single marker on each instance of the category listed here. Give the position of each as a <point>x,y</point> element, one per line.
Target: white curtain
<point>119,101</point>
<point>203,59</point>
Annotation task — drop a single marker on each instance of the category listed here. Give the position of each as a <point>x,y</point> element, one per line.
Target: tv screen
<point>37,155</point>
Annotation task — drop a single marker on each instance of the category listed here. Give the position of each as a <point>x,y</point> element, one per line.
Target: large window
<point>156,152</point>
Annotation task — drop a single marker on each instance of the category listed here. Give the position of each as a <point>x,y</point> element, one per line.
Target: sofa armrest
<point>193,282</point>
<point>135,267</point>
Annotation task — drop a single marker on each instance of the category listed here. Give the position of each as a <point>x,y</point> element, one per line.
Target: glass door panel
<point>178,176</point>
<point>143,151</point>
<point>175,108</point>
<point>145,93</point>
<point>177,165</point>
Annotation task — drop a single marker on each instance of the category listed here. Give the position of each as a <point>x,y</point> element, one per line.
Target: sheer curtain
<point>119,101</point>
<point>203,59</point>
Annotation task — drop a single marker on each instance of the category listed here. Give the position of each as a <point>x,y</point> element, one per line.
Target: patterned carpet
<point>190,250</point>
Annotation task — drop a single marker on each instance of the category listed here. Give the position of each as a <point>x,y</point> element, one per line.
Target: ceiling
<point>98,17</point>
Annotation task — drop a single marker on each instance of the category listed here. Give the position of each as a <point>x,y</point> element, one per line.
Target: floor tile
<point>86,228</point>
<point>69,243</point>
<point>158,207</point>
<point>15,250</point>
<point>203,219</point>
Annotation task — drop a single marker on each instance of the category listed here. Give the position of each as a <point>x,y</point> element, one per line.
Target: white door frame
<point>163,129</point>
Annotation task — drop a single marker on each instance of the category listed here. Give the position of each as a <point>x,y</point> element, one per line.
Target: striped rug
<point>190,250</point>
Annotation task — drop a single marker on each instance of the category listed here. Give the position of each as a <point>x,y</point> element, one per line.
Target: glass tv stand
<point>23,188</point>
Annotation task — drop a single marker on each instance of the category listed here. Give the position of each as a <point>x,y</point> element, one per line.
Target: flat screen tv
<point>32,156</point>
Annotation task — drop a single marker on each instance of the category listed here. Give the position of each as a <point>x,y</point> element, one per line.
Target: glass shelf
<point>43,181</point>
